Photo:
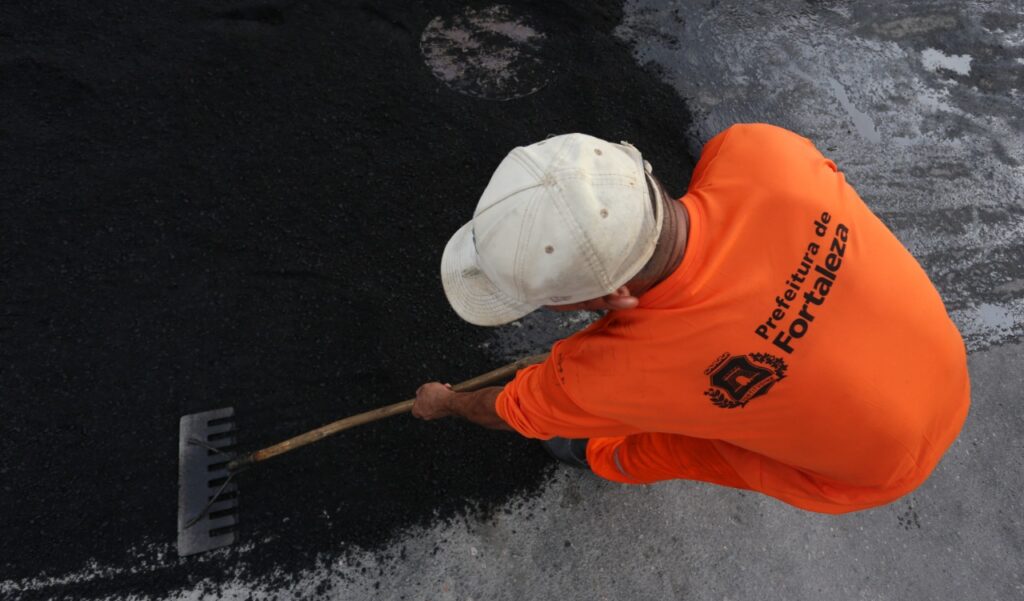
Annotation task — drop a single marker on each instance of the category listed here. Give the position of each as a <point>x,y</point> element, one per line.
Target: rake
<point>208,462</point>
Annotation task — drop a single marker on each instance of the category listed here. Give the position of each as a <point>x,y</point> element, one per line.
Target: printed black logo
<point>738,379</point>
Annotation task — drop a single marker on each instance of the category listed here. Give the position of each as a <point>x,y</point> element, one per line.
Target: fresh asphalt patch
<point>244,204</point>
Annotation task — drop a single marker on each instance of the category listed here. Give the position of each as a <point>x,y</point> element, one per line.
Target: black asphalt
<point>219,203</point>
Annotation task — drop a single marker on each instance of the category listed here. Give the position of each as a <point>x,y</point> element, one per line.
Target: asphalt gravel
<point>208,204</point>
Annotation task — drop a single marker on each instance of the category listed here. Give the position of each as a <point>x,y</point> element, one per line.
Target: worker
<point>765,332</point>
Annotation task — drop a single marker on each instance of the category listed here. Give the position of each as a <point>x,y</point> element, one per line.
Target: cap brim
<point>470,292</point>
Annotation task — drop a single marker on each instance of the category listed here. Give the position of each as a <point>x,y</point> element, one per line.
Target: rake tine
<point>213,500</point>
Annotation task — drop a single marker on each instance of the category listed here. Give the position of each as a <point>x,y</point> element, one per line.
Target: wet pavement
<point>224,203</point>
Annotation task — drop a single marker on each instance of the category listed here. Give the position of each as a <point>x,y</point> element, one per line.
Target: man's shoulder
<point>762,139</point>
<point>762,132</point>
<point>755,149</point>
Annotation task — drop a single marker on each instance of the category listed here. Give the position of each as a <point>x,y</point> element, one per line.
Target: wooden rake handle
<point>487,379</point>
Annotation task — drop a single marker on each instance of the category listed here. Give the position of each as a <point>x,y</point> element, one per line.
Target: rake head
<point>207,498</point>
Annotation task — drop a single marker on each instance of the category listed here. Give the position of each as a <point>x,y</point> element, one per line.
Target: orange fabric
<point>799,349</point>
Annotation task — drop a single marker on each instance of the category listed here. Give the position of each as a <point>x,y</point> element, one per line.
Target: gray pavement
<point>920,104</point>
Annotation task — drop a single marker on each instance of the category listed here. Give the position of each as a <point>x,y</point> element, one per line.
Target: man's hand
<point>433,401</point>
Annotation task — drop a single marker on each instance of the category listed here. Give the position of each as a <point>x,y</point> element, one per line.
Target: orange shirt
<point>797,332</point>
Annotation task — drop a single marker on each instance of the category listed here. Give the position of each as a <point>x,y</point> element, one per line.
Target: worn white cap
<point>562,221</point>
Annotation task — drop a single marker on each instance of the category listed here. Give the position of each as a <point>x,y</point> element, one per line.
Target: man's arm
<point>435,400</point>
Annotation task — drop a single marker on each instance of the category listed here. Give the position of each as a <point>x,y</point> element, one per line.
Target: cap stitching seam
<point>521,245</point>
<point>505,197</point>
<point>581,239</point>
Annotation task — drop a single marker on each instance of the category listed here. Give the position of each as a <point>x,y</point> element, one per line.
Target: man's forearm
<point>478,407</point>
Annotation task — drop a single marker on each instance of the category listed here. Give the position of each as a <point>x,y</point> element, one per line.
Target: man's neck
<point>679,243</point>
<point>668,255</point>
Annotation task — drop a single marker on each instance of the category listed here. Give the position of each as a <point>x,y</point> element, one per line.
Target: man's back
<point>798,339</point>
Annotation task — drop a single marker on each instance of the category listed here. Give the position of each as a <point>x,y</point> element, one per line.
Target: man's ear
<point>621,299</point>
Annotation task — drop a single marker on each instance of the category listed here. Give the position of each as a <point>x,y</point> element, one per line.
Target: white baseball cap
<point>562,221</point>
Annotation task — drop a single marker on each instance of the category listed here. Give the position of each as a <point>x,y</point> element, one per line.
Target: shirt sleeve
<point>536,405</point>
